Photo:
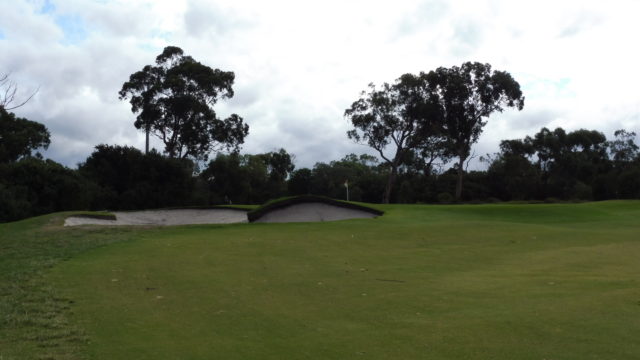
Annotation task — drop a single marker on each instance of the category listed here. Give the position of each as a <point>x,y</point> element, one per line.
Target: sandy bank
<point>166,217</point>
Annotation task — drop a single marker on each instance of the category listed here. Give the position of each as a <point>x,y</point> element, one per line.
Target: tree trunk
<point>146,146</point>
<point>460,175</point>
<point>390,180</point>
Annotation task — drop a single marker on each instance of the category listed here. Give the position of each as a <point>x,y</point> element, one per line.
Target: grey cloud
<point>579,23</point>
<point>77,100</point>
<point>245,95</point>
<point>63,71</point>
<point>67,150</point>
<point>467,37</point>
<point>120,22</point>
<point>289,99</point>
<point>203,17</point>
<point>531,119</point>
<point>427,14</point>
<point>311,135</point>
<point>628,119</point>
<point>76,126</point>
<point>127,19</point>
<point>20,22</point>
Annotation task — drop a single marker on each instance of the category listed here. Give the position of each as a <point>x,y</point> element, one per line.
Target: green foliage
<point>439,114</point>
<point>174,100</point>
<point>129,179</point>
<point>467,96</point>
<point>623,149</point>
<point>445,198</point>
<point>511,175</point>
<point>578,165</point>
<point>248,179</point>
<point>402,116</point>
<point>33,186</point>
<point>20,137</point>
<point>300,182</point>
<point>629,183</point>
<point>365,177</point>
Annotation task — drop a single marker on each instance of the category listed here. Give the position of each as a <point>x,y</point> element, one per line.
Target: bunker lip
<point>165,217</point>
<point>310,208</point>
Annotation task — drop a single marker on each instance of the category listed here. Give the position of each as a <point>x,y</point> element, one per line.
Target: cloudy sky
<point>300,64</point>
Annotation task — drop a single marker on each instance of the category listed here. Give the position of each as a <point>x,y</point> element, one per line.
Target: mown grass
<point>500,281</point>
<point>34,316</point>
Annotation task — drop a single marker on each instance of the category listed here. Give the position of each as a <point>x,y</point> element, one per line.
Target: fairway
<point>544,281</point>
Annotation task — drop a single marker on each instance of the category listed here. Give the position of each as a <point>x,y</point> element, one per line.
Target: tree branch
<point>471,157</point>
<point>10,90</point>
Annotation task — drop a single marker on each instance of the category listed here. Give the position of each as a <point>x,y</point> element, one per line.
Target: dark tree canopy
<point>248,178</point>
<point>467,96</point>
<point>402,117</point>
<point>33,186</point>
<point>174,100</point>
<point>128,179</point>
<point>279,164</point>
<point>623,149</point>
<point>20,137</point>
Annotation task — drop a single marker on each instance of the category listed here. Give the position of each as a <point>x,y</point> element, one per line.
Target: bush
<point>582,191</point>
<point>33,187</point>
<point>128,179</point>
<point>445,198</point>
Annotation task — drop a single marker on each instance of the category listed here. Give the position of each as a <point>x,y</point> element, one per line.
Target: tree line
<point>422,127</point>
<point>551,165</point>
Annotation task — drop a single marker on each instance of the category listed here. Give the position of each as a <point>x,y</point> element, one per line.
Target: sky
<point>300,64</point>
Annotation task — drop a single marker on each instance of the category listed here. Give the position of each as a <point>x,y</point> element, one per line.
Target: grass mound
<point>304,199</point>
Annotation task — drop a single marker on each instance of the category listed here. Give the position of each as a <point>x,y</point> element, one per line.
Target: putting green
<point>420,282</point>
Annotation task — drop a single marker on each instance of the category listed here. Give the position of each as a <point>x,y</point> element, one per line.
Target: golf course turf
<point>503,281</point>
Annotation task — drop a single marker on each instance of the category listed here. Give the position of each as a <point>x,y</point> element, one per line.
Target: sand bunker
<point>312,212</point>
<point>294,212</point>
<point>166,217</point>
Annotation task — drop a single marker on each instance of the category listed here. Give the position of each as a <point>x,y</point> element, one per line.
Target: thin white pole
<point>346,184</point>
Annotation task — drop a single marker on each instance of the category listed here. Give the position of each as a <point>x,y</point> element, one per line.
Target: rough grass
<point>505,281</point>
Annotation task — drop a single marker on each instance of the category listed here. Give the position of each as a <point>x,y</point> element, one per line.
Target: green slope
<point>421,282</point>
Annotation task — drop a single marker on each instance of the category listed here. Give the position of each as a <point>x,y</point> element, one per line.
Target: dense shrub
<point>33,186</point>
<point>128,179</point>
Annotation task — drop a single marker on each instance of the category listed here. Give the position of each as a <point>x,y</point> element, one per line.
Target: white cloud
<point>298,65</point>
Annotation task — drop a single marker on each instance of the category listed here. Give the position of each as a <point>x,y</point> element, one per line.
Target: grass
<point>34,316</point>
<point>504,281</point>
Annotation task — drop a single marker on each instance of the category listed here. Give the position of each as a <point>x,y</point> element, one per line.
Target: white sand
<point>165,217</point>
<point>313,212</point>
<point>305,212</point>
